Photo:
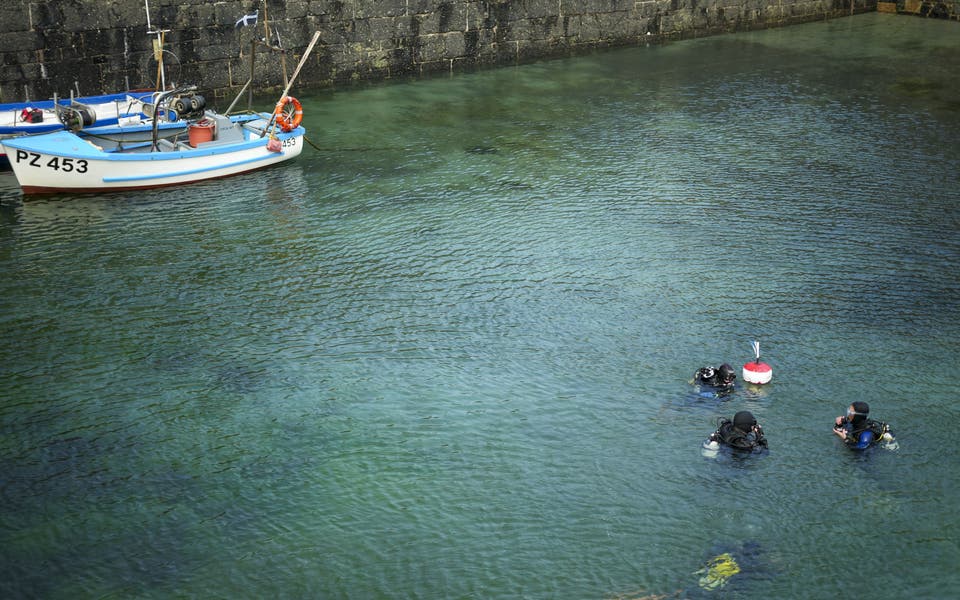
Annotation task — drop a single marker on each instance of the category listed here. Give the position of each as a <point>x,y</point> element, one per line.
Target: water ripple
<point>448,355</point>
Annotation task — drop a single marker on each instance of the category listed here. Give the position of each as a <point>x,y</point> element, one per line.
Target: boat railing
<point>164,97</point>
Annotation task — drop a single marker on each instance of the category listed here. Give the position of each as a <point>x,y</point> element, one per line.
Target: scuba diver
<point>742,433</point>
<point>737,564</point>
<point>720,378</point>
<point>728,573</point>
<point>858,432</point>
<point>718,571</point>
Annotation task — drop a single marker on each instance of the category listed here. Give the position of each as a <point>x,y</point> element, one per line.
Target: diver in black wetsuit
<point>721,379</point>
<point>742,433</point>
<point>859,432</point>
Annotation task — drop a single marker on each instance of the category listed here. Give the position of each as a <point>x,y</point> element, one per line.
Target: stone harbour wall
<point>99,46</point>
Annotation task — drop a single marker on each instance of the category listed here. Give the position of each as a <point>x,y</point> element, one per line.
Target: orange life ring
<point>289,113</point>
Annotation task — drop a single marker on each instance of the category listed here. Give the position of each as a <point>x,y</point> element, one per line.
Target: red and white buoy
<point>757,371</point>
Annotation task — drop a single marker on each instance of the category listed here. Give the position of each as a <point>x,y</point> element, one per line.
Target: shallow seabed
<point>446,354</point>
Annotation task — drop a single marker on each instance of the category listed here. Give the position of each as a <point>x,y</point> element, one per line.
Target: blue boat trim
<point>54,125</point>
<point>191,171</point>
<point>66,144</point>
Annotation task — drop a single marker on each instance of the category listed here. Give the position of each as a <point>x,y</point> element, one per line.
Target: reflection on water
<point>447,352</point>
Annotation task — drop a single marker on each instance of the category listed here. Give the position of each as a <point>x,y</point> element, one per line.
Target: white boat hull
<point>62,162</point>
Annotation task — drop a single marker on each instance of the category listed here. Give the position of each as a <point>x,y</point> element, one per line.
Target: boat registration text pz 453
<point>56,163</point>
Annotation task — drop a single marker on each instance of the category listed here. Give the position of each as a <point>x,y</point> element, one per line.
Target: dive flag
<point>250,19</point>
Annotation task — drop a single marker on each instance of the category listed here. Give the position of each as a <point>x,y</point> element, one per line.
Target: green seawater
<point>446,353</point>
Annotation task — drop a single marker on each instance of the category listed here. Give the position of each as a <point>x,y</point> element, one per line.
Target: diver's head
<point>858,411</point>
<point>727,374</point>
<point>744,421</point>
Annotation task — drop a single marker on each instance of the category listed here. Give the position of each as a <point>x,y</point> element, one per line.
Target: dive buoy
<point>757,371</point>
<point>288,118</point>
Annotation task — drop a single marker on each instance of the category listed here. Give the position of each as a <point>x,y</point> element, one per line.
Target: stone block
<point>297,9</point>
<point>455,44</point>
<point>13,19</point>
<point>537,28</point>
<point>534,49</point>
<point>452,16</point>
<point>332,10</point>
<point>589,28</point>
<point>416,7</point>
<point>23,72</point>
<point>607,6</point>
<point>534,9</point>
<point>19,41</point>
<point>616,26</point>
<point>201,16</point>
<point>215,75</point>
<point>205,52</point>
<point>431,48</point>
<point>378,8</point>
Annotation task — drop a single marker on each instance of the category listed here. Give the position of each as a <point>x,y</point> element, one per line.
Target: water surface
<point>445,353</point>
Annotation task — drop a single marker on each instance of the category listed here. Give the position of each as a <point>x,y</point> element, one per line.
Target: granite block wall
<point>98,46</point>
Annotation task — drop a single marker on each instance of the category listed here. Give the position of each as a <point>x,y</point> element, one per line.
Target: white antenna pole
<point>158,46</point>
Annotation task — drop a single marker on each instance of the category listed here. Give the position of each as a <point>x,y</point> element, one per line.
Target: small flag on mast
<point>250,19</point>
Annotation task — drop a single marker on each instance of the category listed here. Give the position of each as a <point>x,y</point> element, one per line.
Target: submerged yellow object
<point>719,569</point>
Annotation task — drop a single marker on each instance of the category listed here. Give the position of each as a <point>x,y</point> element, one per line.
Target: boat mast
<point>157,48</point>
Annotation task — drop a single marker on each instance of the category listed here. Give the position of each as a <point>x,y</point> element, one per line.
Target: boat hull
<point>109,109</point>
<point>62,162</point>
<point>130,131</point>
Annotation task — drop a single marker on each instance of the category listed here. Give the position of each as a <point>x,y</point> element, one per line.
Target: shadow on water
<point>705,401</point>
<point>99,504</point>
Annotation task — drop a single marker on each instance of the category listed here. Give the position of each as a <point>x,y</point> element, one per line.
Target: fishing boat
<point>29,118</point>
<point>18,118</point>
<point>109,119</point>
<point>213,146</point>
<point>210,145</point>
<point>125,115</point>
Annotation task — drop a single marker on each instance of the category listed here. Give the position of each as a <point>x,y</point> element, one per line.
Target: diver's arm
<point>761,439</point>
<point>839,429</point>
